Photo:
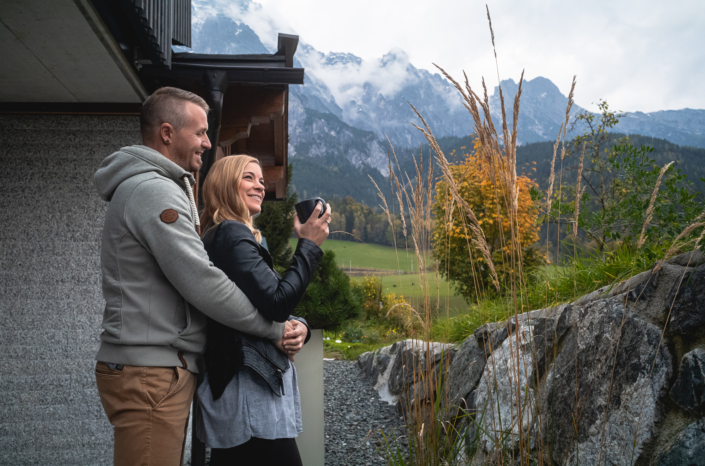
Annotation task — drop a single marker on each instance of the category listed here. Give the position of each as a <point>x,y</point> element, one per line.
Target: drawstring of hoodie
<point>192,201</point>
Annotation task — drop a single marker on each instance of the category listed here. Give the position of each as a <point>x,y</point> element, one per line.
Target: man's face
<point>191,141</point>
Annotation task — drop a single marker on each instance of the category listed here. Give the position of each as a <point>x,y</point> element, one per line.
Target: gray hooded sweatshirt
<point>154,265</point>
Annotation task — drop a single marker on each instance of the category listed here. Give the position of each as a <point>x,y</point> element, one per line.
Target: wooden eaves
<point>248,96</point>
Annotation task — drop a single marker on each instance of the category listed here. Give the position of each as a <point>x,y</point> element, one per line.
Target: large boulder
<point>602,395</point>
<point>689,390</point>
<point>652,297</point>
<point>490,336</point>
<point>688,259</point>
<point>463,376</point>
<point>411,363</point>
<point>505,399</point>
<point>688,303</point>
<point>583,383</point>
<point>399,371</point>
<point>688,449</point>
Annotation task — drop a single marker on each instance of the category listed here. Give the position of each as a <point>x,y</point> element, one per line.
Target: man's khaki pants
<point>149,407</point>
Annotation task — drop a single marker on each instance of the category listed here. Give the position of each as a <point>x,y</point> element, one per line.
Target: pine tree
<point>330,299</point>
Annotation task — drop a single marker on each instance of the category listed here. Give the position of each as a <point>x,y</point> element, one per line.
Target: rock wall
<point>616,377</point>
<point>51,304</point>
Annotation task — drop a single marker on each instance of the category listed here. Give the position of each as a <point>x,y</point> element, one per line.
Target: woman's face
<point>252,188</point>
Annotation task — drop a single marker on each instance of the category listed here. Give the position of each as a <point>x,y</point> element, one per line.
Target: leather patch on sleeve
<point>169,216</point>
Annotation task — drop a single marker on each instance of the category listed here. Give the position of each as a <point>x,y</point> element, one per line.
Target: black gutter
<point>216,83</point>
<point>254,75</point>
<point>206,57</point>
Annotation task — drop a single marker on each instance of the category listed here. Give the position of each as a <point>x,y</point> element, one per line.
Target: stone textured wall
<point>51,302</point>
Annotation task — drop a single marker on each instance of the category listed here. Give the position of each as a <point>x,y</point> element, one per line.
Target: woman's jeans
<point>260,452</point>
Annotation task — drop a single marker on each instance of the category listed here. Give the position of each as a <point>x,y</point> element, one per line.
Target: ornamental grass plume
<point>561,137</point>
<point>652,202</point>
<point>525,438</point>
<point>578,193</point>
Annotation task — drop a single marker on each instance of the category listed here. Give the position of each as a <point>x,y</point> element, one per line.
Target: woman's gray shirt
<point>248,408</point>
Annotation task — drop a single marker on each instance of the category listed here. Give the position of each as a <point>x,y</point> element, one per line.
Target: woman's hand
<point>315,229</point>
<point>294,336</point>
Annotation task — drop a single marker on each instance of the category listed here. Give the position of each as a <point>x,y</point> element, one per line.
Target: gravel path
<point>354,415</point>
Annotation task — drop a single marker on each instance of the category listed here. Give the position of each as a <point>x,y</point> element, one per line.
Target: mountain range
<point>348,107</point>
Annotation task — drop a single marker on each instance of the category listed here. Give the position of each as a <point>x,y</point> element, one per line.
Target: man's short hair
<point>167,105</point>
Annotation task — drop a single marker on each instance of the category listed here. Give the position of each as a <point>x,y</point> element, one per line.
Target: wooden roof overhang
<point>119,51</point>
<point>248,96</point>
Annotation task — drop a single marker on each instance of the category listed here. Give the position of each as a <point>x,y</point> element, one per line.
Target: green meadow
<point>368,256</point>
<point>380,260</point>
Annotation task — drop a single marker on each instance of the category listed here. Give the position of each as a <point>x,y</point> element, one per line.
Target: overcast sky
<point>642,55</point>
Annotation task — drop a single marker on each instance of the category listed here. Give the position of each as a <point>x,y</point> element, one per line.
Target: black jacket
<point>232,247</point>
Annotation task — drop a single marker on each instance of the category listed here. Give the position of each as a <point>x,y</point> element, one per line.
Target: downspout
<point>215,82</point>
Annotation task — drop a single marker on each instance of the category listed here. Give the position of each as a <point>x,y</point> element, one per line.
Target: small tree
<point>459,259</point>
<point>330,298</point>
<point>276,222</point>
<point>622,215</point>
<point>620,180</point>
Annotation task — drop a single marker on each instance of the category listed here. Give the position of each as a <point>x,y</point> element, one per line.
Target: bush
<point>401,316</point>
<point>372,291</point>
<point>371,335</point>
<point>352,333</point>
<point>330,299</point>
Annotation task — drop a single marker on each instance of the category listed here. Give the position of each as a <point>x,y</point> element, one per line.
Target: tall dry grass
<point>435,437</point>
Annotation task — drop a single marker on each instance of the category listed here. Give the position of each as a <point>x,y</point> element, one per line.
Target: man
<point>154,267</point>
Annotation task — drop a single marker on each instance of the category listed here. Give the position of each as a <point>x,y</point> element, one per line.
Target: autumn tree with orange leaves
<point>460,262</point>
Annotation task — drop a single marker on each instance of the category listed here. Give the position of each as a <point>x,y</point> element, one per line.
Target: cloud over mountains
<point>349,106</point>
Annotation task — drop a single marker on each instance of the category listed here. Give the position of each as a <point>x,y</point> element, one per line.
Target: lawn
<point>369,256</point>
<point>409,285</point>
<point>384,258</point>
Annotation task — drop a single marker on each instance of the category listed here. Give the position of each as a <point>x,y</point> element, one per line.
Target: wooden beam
<point>219,153</point>
<point>275,180</point>
<point>272,174</point>
<point>249,102</point>
<point>281,188</point>
<point>279,140</point>
<point>240,146</point>
<point>230,134</point>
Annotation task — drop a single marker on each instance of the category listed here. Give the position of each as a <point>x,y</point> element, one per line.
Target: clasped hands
<point>293,340</point>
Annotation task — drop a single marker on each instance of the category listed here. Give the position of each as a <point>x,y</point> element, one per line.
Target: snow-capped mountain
<point>543,111</point>
<point>349,106</point>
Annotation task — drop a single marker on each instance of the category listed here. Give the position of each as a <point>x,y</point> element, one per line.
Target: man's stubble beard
<point>184,158</point>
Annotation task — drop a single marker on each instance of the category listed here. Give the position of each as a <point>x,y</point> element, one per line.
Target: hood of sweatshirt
<point>131,161</point>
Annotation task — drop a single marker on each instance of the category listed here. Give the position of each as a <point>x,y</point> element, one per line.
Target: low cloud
<point>638,54</point>
<point>344,74</point>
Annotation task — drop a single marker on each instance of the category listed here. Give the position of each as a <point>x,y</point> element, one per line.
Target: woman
<point>249,401</point>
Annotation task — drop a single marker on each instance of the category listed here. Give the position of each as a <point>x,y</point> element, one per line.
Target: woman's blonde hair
<point>221,194</point>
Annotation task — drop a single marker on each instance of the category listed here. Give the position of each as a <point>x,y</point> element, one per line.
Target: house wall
<point>51,302</point>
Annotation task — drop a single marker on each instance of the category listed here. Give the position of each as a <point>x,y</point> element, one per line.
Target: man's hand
<point>315,229</point>
<point>294,337</point>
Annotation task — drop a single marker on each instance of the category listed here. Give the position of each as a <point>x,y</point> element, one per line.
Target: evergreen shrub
<point>330,299</point>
